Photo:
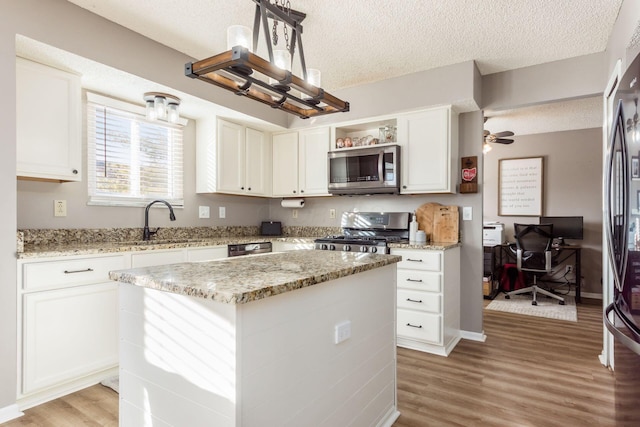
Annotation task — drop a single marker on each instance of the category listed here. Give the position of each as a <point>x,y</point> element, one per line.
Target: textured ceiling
<point>359,41</point>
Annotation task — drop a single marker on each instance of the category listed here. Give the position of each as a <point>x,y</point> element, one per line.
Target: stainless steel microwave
<point>370,170</point>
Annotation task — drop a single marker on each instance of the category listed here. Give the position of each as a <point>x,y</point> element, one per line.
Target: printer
<point>492,233</point>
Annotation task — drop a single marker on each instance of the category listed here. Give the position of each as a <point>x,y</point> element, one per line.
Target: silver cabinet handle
<point>414,280</point>
<point>414,326</point>
<point>77,271</point>
<point>414,300</point>
<point>414,260</point>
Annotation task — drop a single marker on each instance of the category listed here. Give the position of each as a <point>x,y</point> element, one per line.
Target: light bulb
<point>160,106</point>
<point>486,148</point>
<point>151,111</point>
<point>172,113</point>
<point>282,59</point>
<point>314,77</point>
<point>239,35</point>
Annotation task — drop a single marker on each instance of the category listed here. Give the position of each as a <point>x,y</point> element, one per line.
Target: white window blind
<point>131,161</point>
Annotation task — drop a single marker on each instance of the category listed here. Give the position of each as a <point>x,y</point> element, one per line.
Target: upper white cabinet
<point>429,141</point>
<point>48,109</point>
<point>300,163</point>
<point>232,158</point>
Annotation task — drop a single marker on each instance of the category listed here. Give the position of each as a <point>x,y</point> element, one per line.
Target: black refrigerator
<point>622,226</point>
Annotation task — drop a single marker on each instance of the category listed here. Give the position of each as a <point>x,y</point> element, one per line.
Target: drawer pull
<point>77,271</point>
<point>414,326</point>
<point>414,280</point>
<point>414,300</point>
<point>414,260</point>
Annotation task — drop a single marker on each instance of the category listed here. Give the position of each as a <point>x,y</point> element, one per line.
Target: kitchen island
<point>304,338</point>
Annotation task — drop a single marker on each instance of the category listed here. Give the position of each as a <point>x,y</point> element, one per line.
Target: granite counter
<point>248,278</point>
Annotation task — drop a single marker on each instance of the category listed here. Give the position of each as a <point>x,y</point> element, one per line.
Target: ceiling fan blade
<point>505,133</point>
<point>503,141</point>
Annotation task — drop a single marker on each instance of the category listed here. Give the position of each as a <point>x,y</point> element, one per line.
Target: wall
<point>35,203</point>
<point>572,186</point>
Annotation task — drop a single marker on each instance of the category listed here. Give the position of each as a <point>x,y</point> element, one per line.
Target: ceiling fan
<point>498,138</point>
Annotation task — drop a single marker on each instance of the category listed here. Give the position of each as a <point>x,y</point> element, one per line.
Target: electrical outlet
<point>568,269</point>
<point>332,213</point>
<point>294,213</point>
<point>222,212</point>
<point>342,331</point>
<point>59,208</point>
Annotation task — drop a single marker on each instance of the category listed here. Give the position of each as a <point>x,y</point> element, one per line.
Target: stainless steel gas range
<point>368,232</point>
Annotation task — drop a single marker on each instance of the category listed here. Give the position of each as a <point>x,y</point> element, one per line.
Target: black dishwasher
<point>239,249</point>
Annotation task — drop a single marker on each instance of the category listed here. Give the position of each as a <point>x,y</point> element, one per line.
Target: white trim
<point>473,336</point>
<point>9,413</point>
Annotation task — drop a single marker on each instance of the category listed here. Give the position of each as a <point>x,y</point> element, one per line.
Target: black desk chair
<point>533,255</point>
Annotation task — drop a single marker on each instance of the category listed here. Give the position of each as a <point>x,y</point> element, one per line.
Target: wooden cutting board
<point>446,221</point>
<point>424,216</point>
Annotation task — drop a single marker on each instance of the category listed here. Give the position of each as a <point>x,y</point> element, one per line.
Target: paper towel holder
<point>292,203</point>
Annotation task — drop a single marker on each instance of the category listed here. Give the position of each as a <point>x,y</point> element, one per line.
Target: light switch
<point>203,212</point>
<point>467,213</point>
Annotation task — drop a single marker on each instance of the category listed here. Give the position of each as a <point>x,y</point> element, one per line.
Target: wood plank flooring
<point>530,372</point>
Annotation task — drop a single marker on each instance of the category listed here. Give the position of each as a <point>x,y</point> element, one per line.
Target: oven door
<point>364,170</point>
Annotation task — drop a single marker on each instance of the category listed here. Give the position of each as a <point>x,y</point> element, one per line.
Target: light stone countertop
<point>248,278</point>
<point>75,248</point>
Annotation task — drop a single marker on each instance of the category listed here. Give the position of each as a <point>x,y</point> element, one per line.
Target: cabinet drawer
<point>152,258</point>
<point>421,326</point>
<point>422,301</point>
<point>420,280</point>
<point>66,273</point>
<point>419,260</point>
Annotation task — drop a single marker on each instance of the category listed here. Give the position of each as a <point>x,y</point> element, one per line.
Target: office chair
<point>533,255</point>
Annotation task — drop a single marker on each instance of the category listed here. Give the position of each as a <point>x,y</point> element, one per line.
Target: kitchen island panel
<point>283,367</point>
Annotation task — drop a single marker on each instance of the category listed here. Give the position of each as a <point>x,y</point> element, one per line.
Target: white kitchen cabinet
<point>68,337</point>
<point>429,144</point>
<point>428,298</point>
<point>48,123</point>
<point>232,159</point>
<point>292,246</point>
<point>300,163</point>
<point>207,254</point>
<point>158,257</point>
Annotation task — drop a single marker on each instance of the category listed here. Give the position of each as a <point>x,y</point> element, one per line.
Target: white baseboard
<point>473,336</point>
<point>9,413</point>
<point>591,295</point>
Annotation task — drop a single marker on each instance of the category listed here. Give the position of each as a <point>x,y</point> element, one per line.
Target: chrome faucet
<point>146,233</point>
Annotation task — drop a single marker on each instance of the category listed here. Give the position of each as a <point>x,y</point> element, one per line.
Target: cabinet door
<point>231,157</point>
<point>257,162</point>
<point>207,254</point>
<point>285,165</point>
<point>426,155</point>
<point>69,333</point>
<point>48,145</point>
<point>151,258</point>
<point>312,161</point>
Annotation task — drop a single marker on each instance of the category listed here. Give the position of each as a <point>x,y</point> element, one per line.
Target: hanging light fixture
<point>162,106</point>
<point>486,147</point>
<point>241,71</point>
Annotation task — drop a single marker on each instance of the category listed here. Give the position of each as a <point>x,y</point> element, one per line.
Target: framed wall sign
<point>520,186</point>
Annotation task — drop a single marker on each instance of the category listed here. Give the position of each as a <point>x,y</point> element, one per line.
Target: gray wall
<point>572,186</point>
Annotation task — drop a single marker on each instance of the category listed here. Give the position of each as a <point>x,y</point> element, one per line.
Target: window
<point>131,161</point>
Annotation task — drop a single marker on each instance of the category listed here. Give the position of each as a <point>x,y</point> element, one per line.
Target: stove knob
<point>374,249</point>
<point>332,247</point>
<point>324,247</point>
<point>346,248</point>
<point>364,249</point>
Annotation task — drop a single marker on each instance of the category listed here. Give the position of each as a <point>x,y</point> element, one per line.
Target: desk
<point>568,254</point>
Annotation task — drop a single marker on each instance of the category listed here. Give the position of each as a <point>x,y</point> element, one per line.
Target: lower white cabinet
<point>207,254</point>
<point>158,257</point>
<point>428,299</point>
<point>69,331</point>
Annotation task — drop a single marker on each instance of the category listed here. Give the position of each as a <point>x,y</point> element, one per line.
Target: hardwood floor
<point>530,372</point>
